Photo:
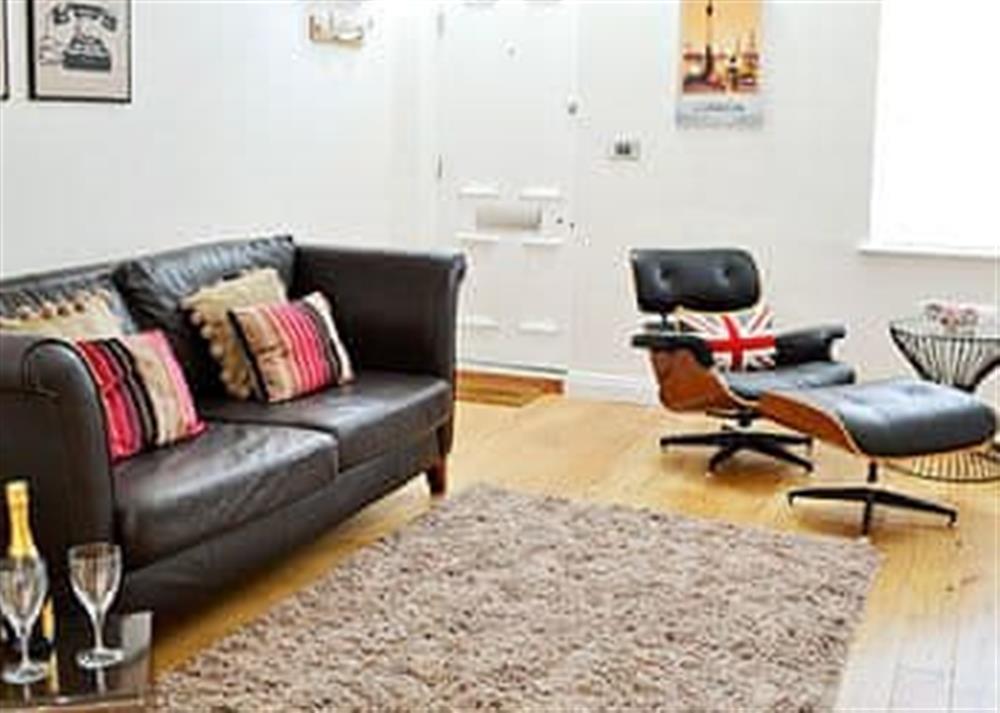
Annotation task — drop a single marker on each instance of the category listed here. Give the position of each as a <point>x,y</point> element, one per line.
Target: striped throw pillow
<point>292,348</point>
<point>146,401</point>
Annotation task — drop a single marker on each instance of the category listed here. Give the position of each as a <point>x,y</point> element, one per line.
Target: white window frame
<point>931,155</point>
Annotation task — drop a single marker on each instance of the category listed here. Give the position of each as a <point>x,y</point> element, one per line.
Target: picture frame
<point>80,52</point>
<point>720,61</point>
<point>345,22</point>
<point>4,53</point>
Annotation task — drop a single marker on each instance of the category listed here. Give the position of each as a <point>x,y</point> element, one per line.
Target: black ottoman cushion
<point>894,418</point>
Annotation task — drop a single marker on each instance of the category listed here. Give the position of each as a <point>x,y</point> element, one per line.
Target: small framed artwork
<point>80,51</point>
<point>344,22</point>
<point>720,64</point>
<point>4,58</point>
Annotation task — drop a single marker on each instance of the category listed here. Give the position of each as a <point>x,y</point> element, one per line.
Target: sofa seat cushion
<point>377,412</point>
<point>173,498</point>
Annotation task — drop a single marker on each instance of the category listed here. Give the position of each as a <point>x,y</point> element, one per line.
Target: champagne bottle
<point>22,544</point>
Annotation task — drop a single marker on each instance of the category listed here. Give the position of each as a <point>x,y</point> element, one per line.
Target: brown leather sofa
<point>194,517</point>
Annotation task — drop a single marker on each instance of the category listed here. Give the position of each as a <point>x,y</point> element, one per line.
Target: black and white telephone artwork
<point>83,47</point>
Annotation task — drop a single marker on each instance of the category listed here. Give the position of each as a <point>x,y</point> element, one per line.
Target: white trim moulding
<point>467,236</point>
<point>541,193</point>
<point>543,242</point>
<point>478,321</point>
<point>887,249</point>
<point>478,190</point>
<point>610,387</point>
<point>546,327</point>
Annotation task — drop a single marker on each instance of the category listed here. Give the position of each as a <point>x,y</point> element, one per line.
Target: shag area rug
<point>515,602</point>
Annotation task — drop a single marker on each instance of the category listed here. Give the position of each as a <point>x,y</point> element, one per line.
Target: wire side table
<point>962,358</point>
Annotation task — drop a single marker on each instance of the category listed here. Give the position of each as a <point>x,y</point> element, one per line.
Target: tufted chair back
<point>713,280</point>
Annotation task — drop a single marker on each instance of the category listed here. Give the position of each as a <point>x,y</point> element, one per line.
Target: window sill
<point>930,251</point>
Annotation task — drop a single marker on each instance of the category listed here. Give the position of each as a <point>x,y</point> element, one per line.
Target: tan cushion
<point>87,316</point>
<point>209,309</point>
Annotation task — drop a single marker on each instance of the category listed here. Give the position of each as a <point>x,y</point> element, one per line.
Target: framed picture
<point>4,58</point>
<point>80,51</point>
<point>720,64</point>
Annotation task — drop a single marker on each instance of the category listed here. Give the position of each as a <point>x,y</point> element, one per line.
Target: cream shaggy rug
<point>513,602</point>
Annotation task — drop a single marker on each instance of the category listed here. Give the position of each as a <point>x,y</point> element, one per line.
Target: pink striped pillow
<point>146,401</point>
<point>293,348</point>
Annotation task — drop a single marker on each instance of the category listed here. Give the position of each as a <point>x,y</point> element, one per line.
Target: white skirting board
<point>580,384</point>
<point>610,387</point>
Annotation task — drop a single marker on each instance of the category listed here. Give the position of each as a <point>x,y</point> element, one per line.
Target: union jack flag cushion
<point>740,341</point>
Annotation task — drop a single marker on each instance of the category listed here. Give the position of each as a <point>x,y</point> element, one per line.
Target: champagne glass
<point>95,571</point>
<point>23,584</point>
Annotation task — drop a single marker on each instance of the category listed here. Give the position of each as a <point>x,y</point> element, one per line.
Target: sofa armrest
<point>394,310</point>
<point>811,344</point>
<point>52,434</point>
<point>668,341</point>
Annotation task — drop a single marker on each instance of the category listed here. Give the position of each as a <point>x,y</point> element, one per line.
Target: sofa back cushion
<point>36,294</point>
<point>155,286</point>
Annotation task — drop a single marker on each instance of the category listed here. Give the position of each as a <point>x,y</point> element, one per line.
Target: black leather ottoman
<point>883,420</point>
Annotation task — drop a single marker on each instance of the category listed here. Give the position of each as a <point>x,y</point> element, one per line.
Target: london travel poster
<point>720,63</point>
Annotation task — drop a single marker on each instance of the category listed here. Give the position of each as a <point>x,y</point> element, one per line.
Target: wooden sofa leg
<point>437,477</point>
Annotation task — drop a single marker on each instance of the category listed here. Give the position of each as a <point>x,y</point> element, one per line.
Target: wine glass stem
<point>98,621</point>
<point>25,646</point>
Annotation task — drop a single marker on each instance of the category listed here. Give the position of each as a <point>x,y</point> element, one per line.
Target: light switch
<point>625,148</point>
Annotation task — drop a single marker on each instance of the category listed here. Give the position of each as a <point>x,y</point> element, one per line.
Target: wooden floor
<point>504,389</point>
<point>929,640</point>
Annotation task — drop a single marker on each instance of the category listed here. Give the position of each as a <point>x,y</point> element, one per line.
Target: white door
<point>505,81</point>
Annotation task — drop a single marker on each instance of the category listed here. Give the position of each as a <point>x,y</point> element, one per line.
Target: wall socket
<point>624,148</point>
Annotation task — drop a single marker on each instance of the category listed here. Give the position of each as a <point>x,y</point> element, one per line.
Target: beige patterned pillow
<point>292,348</point>
<point>86,316</point>
<point>209,309</point>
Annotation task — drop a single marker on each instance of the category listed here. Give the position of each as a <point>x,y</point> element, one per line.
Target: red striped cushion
<point>146,401</point>
<point>293,348</point>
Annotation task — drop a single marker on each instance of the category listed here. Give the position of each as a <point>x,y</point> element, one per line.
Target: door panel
<point>505,73</point>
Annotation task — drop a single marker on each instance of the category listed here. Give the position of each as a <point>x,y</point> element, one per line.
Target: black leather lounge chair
<point>722,280</point>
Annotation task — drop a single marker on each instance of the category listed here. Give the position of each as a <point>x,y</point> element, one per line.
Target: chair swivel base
<point>872,496</point>
<point>731,441</point>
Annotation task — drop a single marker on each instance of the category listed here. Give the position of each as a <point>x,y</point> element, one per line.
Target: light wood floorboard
<point>504,389</point>
<point>929,639</point>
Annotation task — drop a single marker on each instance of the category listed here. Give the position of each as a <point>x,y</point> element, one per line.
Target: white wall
<point>795,192</point>
<point>238,125</point>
